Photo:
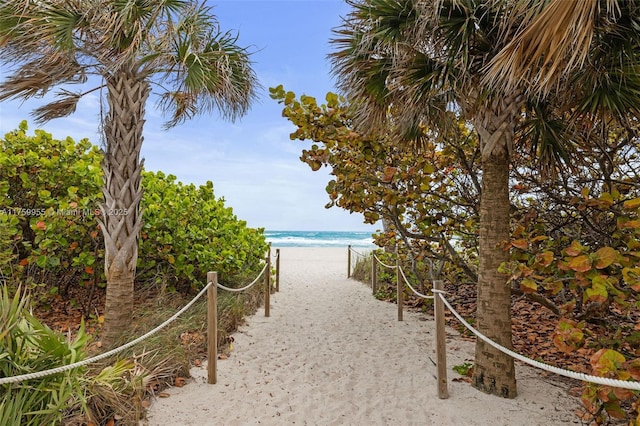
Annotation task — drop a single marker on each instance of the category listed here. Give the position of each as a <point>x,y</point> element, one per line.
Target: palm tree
<point>132,46</point>
<point>410,61</point>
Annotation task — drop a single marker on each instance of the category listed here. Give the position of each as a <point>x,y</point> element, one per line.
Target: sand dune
<point>331,354</point>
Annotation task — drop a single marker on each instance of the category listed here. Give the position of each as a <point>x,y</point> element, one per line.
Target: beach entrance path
<point>331,354</point>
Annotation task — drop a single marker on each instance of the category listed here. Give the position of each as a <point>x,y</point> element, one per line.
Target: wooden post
<point>349,261</point>
<point>399,286</point>
<point>374,273</point>
<point>277,269</point>
<point>441,344</point>
<point>267,285</point>
<point>212,328</point>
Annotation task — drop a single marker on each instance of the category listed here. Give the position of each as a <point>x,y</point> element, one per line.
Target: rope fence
<point>212,325</point>
<point>61,369</point>
<point>623,384</point>
<point>440,302</point>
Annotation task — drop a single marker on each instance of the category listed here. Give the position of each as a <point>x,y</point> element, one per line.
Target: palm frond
<point>37,77</point>
<point>210,73</point>
<point>368,43</point>
<point>549,137</point>
<point>551,44</point>
<point>63,107</point>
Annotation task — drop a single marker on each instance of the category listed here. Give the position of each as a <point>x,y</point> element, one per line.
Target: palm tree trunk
<point>494,372</point>
<point>121,218</point>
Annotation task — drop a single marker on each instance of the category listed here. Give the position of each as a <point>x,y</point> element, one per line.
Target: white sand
<point>331,354</point>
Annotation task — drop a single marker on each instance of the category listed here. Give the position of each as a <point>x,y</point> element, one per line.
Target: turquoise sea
<point>319,239</point>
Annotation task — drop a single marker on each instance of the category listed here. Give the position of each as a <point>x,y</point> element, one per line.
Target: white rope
<point>44,373</point>
<point>624,384</point>
<point>359,254</point>
<point>238,290</point>
<point>417,293</point>
<point>383,264</point>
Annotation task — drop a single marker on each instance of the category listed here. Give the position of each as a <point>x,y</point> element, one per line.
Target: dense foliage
<point>49,205</point>
<point>425,194</point>
<point>49,195</point>
<point>574,243</point>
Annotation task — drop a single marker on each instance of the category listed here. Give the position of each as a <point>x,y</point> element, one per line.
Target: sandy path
<point>331,354</point>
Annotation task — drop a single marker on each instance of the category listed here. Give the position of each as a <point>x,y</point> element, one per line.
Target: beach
<point>331,354</point>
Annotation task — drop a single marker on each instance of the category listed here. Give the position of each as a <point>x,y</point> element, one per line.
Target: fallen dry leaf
<point>223,356</point>
<point>197,363</point>
<point>145,403</point>
<point>164,395</point>
<point>153,385</point>
<point>179,382</point>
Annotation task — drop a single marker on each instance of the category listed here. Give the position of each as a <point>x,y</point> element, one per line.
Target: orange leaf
<point>179,382</point>
<point>633,367</point>
<point>580,263</point>
<point>389,172</point>
<point>89,270</point>
<point>545,258</point>
<point>41,225</point>
<point>604,257</point>
<point>632,204</point>
<point>606,361</point>
<point>574,249</point>
<point>554,287</point>
<point>24,262</point>
<point>528,286</point>
<point>635,223</point>
<point>622,394</point>
<point>521,244</point>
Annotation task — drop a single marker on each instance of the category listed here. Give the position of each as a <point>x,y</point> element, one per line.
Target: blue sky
<point>252,163</point>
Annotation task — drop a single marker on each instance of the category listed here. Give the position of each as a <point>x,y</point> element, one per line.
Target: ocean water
<point>319,239</point>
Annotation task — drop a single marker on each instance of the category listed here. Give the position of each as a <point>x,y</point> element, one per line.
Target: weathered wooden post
<point>374,273</point>
<point>441,344</point>
<point>349,261</point>
<point>212,328</point>
<point>267,285</point>
<point>277,269</point>
<point>399,286</point>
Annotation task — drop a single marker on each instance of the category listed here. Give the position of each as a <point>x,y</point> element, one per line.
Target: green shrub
<point>188,232</point>
<point>50,192</point>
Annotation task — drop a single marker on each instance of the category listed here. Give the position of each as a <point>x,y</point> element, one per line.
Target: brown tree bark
<point>494,372</point>
<point>121,218</point>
